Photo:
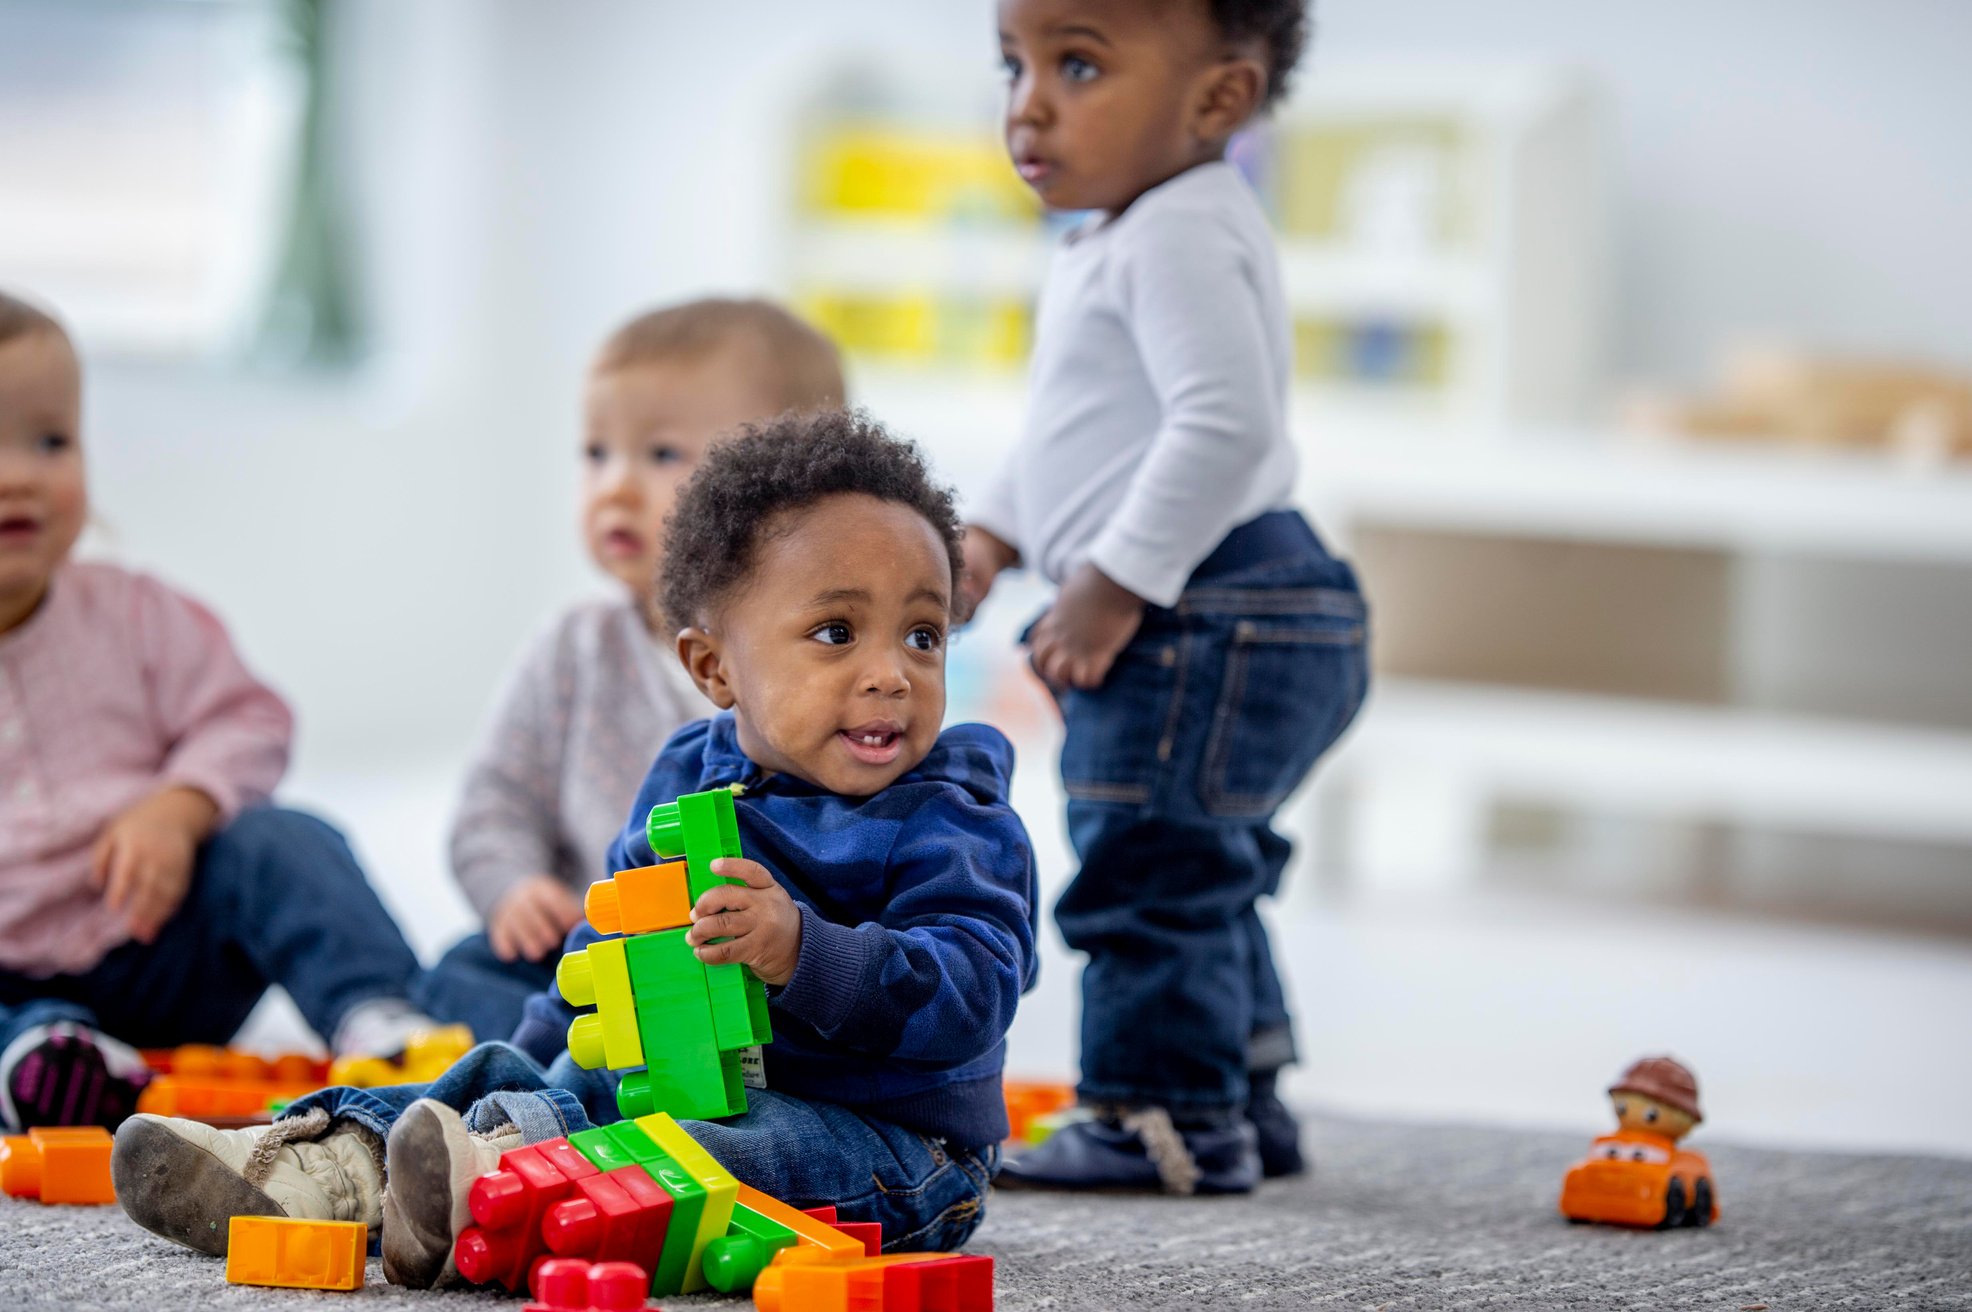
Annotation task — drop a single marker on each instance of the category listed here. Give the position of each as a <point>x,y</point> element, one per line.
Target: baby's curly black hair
<point>1280,25</point>
<point>712,537</point>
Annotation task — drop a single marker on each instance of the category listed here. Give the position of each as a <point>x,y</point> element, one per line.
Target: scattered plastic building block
<point>626,1144</point>
<point>804,1280</point>
<point>290,1254</point>
<point>808,1231</point>
<point>572,1285</point>
<point>657,1005</point>
<point>825,1214</point>
<point>869,1232</point>
<point>428,1055</point>
<point>1029,1100</point>
<point>67,1164</point>
<point>508,1206</point>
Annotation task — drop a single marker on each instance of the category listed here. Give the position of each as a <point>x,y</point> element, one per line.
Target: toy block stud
<point>599,976</point>
<point>701,828</point>
<point>291,1254</point>
<point>508,1205</point>
<point>640,901</point>
<point>572,1285</point>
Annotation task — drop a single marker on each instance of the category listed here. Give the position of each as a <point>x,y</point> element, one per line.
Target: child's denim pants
<point>1174,767</point>
<point>276,898</point>
<point>926,1193</point>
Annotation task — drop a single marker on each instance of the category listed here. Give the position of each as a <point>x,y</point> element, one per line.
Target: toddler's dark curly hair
<point>748,482</point>
<point>1280,25</point>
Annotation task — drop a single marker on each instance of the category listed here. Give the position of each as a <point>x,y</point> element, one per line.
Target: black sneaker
<point>1279,1132</point>
<point>68,1074</point>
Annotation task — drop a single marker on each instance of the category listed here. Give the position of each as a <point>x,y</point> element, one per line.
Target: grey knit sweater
<point>573,734</point>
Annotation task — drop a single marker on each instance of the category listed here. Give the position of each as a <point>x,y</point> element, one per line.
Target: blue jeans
<point>276,898</point>
<point>472,986</point>
<point>1174,767</point>
<point>926,1193</point>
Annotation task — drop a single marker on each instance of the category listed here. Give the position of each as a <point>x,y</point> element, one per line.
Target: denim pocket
<point>1116,737</point>
<point>1292,684</point>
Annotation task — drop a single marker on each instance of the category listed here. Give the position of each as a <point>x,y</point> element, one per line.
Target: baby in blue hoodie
<point>887,904</point>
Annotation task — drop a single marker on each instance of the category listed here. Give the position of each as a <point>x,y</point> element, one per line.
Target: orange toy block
<point>1027,1099</point>
<point>58,1165</point>
<point>289,1254</point>
<point>798,1281</point>
<point>640,901</point>
<point>808,1232</point>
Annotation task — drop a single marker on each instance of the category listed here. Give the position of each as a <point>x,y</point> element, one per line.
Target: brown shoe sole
<point>174,1188</point>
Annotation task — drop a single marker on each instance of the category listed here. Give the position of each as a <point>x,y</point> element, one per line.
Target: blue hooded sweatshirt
<point>917,926</point>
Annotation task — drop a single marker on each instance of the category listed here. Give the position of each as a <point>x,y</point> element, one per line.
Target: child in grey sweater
<point>599,692</point>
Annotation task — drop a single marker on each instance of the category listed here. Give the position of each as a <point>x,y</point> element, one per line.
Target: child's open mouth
<point>18,528</point>
<point>873,744</point>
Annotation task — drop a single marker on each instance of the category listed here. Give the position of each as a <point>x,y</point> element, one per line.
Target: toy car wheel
<point>1701,1205</point>
<point>1674,1208</point>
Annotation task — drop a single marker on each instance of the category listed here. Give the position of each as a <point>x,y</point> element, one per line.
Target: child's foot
<point>432,1160</point>
<point>68,1074</point>
<point>379,1028</point>
<point>185,1180</point>
<point>1278,1130</point>
<point>1139,1149</point>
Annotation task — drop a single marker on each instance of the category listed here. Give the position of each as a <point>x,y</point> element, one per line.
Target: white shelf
<point>1610,488</point>
<point>1700,762</point>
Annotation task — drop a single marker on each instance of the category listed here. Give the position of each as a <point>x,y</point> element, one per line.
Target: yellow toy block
<point>820,1235</point>
<point>721,1189</point>
<point>599,976</point>
<point>428,1054</point>
<point>640,901</point>
<point>290,1254</point>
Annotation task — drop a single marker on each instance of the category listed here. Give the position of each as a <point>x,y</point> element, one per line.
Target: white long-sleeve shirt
<point>1157,408</point>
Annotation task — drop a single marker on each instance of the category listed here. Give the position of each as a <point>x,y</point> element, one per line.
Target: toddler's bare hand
<point>985,556</point>
<point>758,922</point>
<point>1090,623</point>
<point>532,918</point>
<point>142,861</point>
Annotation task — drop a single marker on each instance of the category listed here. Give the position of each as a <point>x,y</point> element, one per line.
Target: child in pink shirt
<point>144,891</point>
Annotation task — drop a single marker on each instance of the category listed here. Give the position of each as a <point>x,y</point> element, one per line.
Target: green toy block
<point>729,988</point>
<point>733,1262</point>
<point>603,1152</point>
<point>686,1072</point>
<point>688,1201</point>
<point>721,1189</point>
<point>599,975</point>
<point>701,828</point>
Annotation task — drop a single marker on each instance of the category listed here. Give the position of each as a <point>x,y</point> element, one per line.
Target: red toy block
<point>568,1284</point>
<point>509,1204</point>
<point>620,1215</point>
<point>960,1283</point>
<point>823,1214</point>
<point>869,1232</point>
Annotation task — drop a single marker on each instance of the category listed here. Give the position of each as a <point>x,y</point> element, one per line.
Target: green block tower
<point>657,1005</point>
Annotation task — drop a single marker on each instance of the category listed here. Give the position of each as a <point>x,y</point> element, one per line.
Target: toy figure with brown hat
<point>1639,1176</point>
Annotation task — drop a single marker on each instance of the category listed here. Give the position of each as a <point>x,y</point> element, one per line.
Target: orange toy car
<point>1639,1176</point>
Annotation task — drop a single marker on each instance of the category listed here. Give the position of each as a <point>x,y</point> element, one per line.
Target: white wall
<point>523,174</point>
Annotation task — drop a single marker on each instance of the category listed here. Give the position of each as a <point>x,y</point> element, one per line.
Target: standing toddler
<point>1204,648</point>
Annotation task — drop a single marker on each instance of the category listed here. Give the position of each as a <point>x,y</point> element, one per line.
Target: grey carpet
<point>1394,1217</point>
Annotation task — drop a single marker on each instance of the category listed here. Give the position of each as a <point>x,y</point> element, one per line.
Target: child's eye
<point>833,634</point>
<point>51,443</point>
<point>594,453</point>
<point>665,455</point>
<point>1077,69</point>
<point>925,638</point>
<point>1010,65</point>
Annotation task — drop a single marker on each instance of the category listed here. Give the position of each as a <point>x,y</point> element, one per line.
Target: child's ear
<point>1231,95</point>
<point>699,651</point>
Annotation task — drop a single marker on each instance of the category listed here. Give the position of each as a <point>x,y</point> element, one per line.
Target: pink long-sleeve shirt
<point>115,688</point>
